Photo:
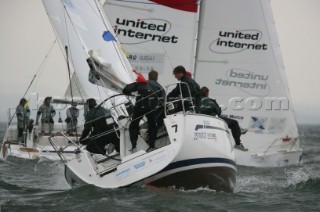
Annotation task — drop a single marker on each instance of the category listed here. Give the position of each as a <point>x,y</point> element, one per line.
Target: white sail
<point>84,30</point>
<point>75,88</point>
<point>156,36</point>
<point>237,57</point>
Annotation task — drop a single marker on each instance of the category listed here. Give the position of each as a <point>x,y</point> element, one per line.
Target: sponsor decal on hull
<point>142,164</point>
<point>204,132</point>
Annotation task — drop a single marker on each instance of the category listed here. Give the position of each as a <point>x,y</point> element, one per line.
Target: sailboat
<point>231,47</point>
<point>35,144</point>
<point>192,150</point>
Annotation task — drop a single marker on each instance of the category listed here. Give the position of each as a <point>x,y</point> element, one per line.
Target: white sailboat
<point>232,48</point>
<point>35,144</point>
<point>193,151</point>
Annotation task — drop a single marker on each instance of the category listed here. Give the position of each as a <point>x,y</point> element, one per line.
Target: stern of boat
<point>206,159</point>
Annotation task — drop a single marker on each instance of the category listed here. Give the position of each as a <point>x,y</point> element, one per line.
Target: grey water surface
<point>41,186</point>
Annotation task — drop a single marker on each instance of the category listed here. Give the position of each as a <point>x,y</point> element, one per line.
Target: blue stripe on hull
<point>197,161</point>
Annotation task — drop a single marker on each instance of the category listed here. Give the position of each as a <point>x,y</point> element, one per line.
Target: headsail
<point>81,26</point>
<point>75,88</point>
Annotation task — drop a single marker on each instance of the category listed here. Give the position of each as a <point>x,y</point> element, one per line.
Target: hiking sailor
<point>210,107</point>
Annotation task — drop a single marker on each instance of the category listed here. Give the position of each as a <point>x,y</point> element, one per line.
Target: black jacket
<point>193,86</point>
<point>208,106</point>
<point>148,93</point>
<point>95,122</point>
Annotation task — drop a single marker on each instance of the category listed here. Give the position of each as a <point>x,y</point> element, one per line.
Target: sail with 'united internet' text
<point>239,59</point>
<point>156,35</point>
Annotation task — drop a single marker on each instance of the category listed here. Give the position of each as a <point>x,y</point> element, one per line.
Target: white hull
<point>36,146</point>
<point>39,152</point>
<point>270,150</point>
<point>200,154</point>
<point>278,159</point>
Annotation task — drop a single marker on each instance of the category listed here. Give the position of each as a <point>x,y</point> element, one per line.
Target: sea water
<point>41,186</point>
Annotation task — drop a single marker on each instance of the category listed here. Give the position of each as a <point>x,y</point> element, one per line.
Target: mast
<point>67,55</point>
<point>196,49</point>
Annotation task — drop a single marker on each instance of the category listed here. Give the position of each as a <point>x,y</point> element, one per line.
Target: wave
<point>11,187</point>
<point>173,189</point>
<point>304,178</point>
<point>256,180</point>
<point>312,185</point>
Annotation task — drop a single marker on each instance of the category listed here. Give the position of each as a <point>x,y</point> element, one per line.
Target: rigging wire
<point>61,45</point>
<point>23,97</point>
<point>43,62</point>
<point>107,24</point>
<point>83,46</point>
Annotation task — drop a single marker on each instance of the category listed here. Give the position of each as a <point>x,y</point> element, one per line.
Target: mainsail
<point>239,59</point>
<point>237,56</point>
<point>97,60</point>
<point>155,35</point>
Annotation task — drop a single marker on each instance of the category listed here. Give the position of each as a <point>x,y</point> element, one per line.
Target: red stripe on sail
<point>185,5</point>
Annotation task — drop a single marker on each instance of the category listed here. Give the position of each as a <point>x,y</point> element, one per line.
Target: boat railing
<point>60,150</point>
<point>276,142</point>
<point>119,108</point>
<point>11,114</point>
<point>181,103</point>
<point>294,142</point>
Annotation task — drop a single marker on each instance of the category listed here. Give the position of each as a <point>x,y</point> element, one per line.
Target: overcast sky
<point>26,37</point>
